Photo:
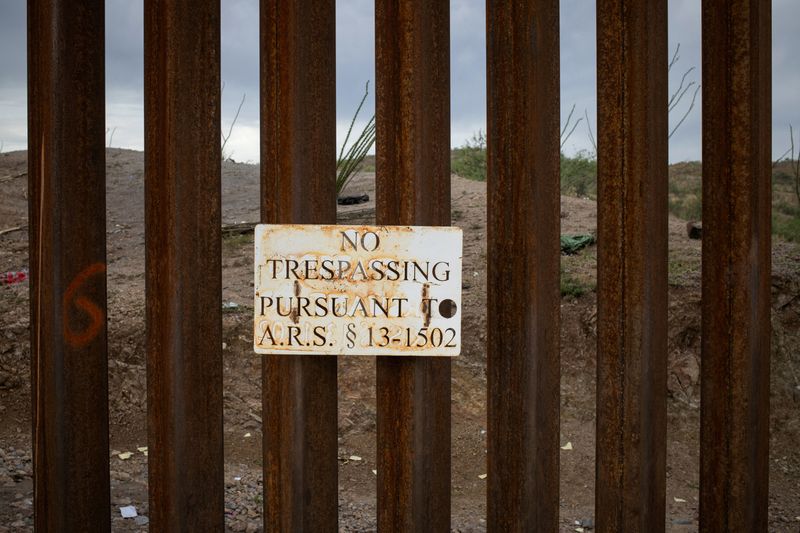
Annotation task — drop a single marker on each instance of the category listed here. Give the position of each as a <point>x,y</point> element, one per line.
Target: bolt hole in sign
<point>357,290</point>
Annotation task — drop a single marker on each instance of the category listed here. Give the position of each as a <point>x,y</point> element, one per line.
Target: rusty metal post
<point>737,144</point>
<point>298,185</point>
<point>632,264</point>
<point>183,265</point>
<point>67,206</point>
<point>523,268</point>
<point>412,67</point>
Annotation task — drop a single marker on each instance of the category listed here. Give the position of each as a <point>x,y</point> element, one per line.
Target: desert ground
<point>242,378</point>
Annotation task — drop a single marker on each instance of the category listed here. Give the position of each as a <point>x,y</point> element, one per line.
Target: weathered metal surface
<point>66,169</point>
<point>737,141</point>
<point>298,167</point>
<point>183,265</point>
<point>350,290</point>
<point>523,312</point>
<point>412,68</point>
<point>632,264</point>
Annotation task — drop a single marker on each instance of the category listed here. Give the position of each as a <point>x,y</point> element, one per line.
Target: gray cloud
<point>13,91</point>
<point>356,65</point>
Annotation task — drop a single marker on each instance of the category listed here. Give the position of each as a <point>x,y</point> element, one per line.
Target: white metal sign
<point>357,290</point>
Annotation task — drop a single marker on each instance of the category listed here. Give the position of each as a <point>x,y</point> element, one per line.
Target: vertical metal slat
<point>523,266</point>
<point>632,264</point>
<point>298,169</point>
<point>183,265</point>
<point>737,143</point>
<point>66,169</point>
<point>413,187</point>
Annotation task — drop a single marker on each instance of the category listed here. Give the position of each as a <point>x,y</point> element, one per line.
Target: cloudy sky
<point>355,66</point>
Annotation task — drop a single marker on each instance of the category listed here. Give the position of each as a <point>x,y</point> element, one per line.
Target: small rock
<point>141,520</point>
<point>694,230</point>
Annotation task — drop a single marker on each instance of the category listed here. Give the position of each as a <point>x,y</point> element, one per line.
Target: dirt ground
<point>356,375</point>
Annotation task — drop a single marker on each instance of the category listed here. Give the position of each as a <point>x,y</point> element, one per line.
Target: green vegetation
<point>786,193</point>
<point>579,268</point>
<point>349,161</point>
<point>682,268</point>
<point>787,228</point>
<point>579,175</point>
<point>572,286</point>
<point>469,160</point>
<point>793,174</point>
<point>686,190</point>
<point>785,208</point>
<point>235,241</point>
<point>579,178</point>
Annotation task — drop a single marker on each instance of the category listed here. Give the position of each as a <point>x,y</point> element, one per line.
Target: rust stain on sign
<point>357,290</point>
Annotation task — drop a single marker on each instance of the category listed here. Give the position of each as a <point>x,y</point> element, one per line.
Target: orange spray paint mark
<point>82,338</point>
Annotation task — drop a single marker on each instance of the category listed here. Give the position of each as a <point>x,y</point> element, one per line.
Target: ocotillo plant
<point>349,160</point>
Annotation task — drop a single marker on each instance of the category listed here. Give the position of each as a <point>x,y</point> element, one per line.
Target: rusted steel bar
<point>632,264</point>
<point>412,67</point>
<point>69,357</point>
<point>298,171</point>
<point>523,273</point>
<point>183,265</point>
<point>737,141</point>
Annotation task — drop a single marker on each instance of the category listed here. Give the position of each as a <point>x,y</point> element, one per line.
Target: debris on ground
<point>353,199</point>
<point>9,278</point>
<point>694,229</point>
<point>572,244</point>
<point>128,511</point>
